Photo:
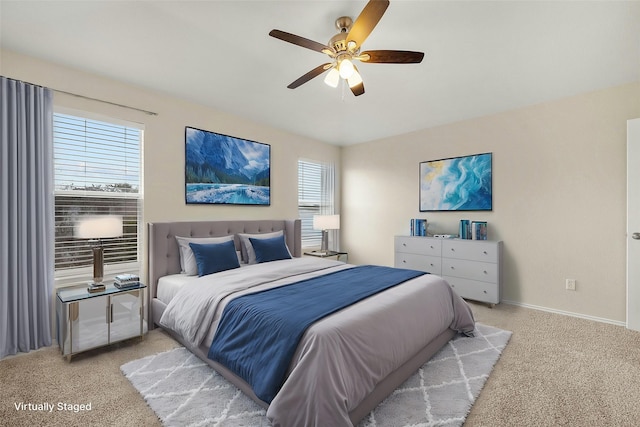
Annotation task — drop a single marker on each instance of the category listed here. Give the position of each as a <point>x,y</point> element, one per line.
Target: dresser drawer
<point>482,271</point>
<point>471,250</point>
<point>474,290</point>
<point>426,263</point>
<point>418,245</point>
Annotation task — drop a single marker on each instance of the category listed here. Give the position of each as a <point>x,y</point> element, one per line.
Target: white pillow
<point>187,259</point>
<point>248,254</point>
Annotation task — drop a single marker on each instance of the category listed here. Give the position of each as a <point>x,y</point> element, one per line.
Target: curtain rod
<point>151,113</point>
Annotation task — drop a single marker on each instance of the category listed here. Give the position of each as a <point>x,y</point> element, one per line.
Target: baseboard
<point>567,313</point>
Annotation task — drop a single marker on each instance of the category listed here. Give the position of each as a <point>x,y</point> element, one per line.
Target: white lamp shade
<point>326,222</point>
<point>346,68</point>
<point>333,78</point>
<point>355,79</point>
<point>98,227</point>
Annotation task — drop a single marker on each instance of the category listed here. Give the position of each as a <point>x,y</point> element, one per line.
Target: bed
<point>345,363</point>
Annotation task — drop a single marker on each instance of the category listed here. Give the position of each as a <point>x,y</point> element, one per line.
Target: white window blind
<point>315,197</point>
<point>96,172</point>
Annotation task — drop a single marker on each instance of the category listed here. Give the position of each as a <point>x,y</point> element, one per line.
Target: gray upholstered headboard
<point>164,255</point>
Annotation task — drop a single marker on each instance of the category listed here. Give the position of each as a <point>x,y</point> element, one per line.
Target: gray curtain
<point>26,216</point>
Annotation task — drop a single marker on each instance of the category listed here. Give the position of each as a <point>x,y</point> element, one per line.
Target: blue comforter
<point>258,333</point>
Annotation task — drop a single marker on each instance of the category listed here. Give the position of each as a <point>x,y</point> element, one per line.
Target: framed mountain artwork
<point>222,169</point>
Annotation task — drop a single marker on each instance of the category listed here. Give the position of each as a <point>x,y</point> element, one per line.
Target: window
<point>315,196</point>
<point>96,172</point>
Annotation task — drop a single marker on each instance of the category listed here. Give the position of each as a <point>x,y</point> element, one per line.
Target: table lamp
<point>95,229</point>
<point>325,223</point>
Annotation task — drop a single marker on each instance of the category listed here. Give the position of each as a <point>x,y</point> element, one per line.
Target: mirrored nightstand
<point>88,320</point>
<point>339,256</point>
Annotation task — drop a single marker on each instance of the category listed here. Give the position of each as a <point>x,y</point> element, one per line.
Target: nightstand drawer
<point>483,271</point>
<point>471,250</point>
<point>418,262</point>
<point>418,245</point>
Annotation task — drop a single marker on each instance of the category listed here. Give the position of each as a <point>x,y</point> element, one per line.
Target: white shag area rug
<point>184,391</point>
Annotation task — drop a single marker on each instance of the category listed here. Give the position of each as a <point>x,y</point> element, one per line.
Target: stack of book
<point>465,229</point>
<point>479,230</point>
<point>473,230</point>
<point>95,287</point>
<point>126,281</point>
<point>418,227</point>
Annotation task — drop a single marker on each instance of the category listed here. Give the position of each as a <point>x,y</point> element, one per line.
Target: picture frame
<point>227,170</point>
<point>457,184</point>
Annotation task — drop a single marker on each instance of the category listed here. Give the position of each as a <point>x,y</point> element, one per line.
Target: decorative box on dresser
<point>472,267</point>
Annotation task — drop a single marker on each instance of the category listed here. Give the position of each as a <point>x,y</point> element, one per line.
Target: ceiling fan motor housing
<point>339,41</point>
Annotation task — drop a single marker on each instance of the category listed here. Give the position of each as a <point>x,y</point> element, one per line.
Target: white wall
<point>559,196</point>
<point>559,181</point>
<point>164,141</point>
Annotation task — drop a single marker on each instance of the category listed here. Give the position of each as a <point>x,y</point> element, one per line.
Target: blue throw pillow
<point>272,249</point>
<point>215,257</point>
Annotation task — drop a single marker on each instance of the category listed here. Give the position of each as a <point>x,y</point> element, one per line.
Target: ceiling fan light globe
<point>354,80</point>
<point>333,78</point>
<point>346,68</point>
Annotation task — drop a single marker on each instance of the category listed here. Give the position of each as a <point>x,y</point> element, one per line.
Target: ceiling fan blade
<point>311,74</point>
<point>366,22</point>
<point>299,41</point>
<point>392,56</point>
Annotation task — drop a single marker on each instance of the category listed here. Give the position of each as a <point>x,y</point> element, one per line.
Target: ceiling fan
<point>344,48</point>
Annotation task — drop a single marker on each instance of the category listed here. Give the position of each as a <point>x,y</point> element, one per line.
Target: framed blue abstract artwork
<point>456,184</point>
<point>222,169</point>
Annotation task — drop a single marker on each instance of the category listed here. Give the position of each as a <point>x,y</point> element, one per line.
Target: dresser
<point>472,267</point>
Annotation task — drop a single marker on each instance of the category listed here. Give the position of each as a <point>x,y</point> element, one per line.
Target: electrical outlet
<point>570,284</point>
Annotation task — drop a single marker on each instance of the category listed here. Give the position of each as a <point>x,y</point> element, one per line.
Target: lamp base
<point>324,246</point>
<point>98,261</point>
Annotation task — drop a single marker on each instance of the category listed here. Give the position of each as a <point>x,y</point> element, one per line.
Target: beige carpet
<point>556,371</point>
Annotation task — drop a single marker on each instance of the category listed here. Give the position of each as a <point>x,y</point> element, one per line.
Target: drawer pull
<point>484,292</point>
<point>484,252</point>
<point>453,250</point>
<point>404,244</point>
<point>452,267</point>
<point>431,246</point>
<point>485,272</point>
<point>404,261</point>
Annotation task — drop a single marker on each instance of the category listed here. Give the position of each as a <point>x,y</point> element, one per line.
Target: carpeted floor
<point>556,371</point>
<point>182,390</point>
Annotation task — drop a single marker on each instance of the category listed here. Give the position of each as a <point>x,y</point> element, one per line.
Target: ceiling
<point>480,57</point>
